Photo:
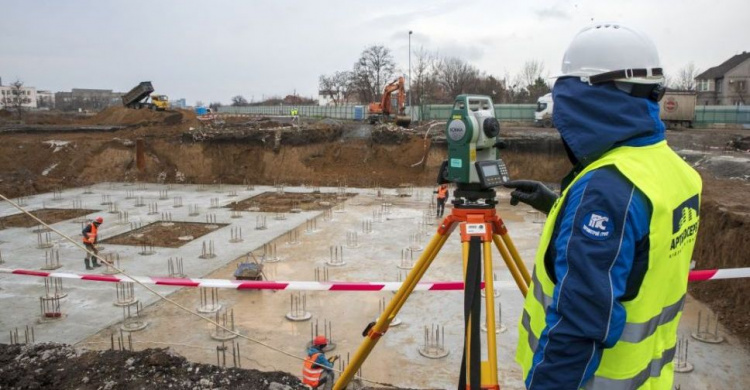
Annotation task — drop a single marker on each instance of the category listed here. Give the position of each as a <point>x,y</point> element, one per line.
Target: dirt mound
<point>741,143</point>
<point>121,116</point>
<point>62,367</point>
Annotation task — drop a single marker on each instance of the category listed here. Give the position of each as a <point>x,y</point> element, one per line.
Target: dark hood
<point>592,119</point>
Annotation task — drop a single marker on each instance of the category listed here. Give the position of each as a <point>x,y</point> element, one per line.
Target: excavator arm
<point>385,106</point>
<point>385,103</point>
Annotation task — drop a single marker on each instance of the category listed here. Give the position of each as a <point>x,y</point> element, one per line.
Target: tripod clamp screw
<point>369,333</point>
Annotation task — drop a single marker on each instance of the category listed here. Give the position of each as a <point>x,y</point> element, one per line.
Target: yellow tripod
<point>479,225</point>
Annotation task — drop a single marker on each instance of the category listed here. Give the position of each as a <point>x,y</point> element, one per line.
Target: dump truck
<point>139,96</point>
<point>677,109</point>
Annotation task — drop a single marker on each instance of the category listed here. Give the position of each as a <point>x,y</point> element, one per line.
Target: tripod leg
<point>516,256</point>
<point>489,374</point>
<point>390,312</point>
<point>511,264</point>
<point>471,365</point>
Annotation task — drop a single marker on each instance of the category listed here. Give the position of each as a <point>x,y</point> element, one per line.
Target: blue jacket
<point>321,360</point>
<point>593,276</point>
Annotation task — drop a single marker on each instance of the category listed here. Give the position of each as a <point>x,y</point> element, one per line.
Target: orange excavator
<point>384,111</point>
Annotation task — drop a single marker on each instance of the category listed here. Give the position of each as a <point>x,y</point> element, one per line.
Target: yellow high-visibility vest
<point>642,357</point>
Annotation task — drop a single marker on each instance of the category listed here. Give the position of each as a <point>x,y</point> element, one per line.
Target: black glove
<point>533,193</point>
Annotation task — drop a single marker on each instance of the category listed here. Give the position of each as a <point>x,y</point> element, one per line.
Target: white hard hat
<point>612,52</point>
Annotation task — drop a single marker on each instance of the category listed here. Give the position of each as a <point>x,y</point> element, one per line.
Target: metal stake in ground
<point>50,309</point>
<point>53,288</point>
<point>298,308</point>
<point>681,364</point>
<point>207,251</point>
<point>125,294</point>
<point>132,320</point>
<point>337,256</point>
<point>434,342</point>
<point>224,320</point>
<point>499,326</point>
<point>704,334</point>
<point>235,235</point>
<point>51,260</point>
<point>261,222</point>
<point>269,254</point>
<point>209,300</point>
<point>112,262</point>
<point>175,269</point>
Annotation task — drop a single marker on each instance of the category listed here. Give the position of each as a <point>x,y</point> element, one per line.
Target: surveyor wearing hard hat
<point>610,275</point>
<point>317,371</point>
<point>89,240</point>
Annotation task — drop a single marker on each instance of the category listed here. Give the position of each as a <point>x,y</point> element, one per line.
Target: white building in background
<point>45,99</point>
<point>9,96</point>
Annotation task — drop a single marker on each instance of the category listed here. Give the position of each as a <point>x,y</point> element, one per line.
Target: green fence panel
<point>707,115</point>
<point>704,115</point>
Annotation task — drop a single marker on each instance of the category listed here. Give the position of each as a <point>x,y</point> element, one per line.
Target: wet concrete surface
<point>91,318</point>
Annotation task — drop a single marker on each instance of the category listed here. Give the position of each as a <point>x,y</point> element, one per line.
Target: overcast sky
<point>213,50</point>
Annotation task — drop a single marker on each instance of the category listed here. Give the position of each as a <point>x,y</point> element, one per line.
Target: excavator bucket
<point>403,121</point>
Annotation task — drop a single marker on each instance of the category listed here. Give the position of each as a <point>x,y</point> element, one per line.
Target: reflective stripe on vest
<point>442,192</point>
<point>642,356</point>
<point>311,376</point>
<point>633,332</point>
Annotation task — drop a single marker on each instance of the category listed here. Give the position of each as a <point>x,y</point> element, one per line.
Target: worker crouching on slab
<point>89,240</point>
<point>611,273</point>
<point>317,371</point>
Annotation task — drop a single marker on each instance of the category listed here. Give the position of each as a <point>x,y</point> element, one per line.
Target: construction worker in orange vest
<point>317,371</point>
<point>442,196</point>
<point>89,240</point>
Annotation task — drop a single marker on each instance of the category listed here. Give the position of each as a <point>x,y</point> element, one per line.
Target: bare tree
<point>457,76</point>
<point>239,101</point>
<point>531,71</point>
<point>336,86</point>
<point>16,97</point>
<point>373,70</point>
<point>214,106</point>
<point>424,85</point>
<point>492,87</point>
<point>685,79</point>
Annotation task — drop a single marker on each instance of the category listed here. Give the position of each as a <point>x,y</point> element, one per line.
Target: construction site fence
<point>710,115</point>
<point>504,112</point>
<point>704,115</point>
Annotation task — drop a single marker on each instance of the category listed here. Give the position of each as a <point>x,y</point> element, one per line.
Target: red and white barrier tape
<point>712,274</point>
<point>731,273</point>
<point>246,284</point>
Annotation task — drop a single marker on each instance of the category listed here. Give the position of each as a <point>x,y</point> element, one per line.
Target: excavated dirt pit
<point>274,202</point>
<point>49,216</point>
<point>164,234</point>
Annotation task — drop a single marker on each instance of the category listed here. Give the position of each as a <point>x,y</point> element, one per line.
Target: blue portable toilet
<point>359,113</point>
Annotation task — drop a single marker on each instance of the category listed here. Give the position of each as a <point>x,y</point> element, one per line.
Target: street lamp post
<point>411,108</point>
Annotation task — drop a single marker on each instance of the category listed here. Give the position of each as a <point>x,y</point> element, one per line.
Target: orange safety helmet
<point>99,220</point>
<point>320,340</point>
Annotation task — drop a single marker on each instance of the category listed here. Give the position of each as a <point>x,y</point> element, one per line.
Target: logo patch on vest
<point>597,225</point>
<point>684,224</point>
